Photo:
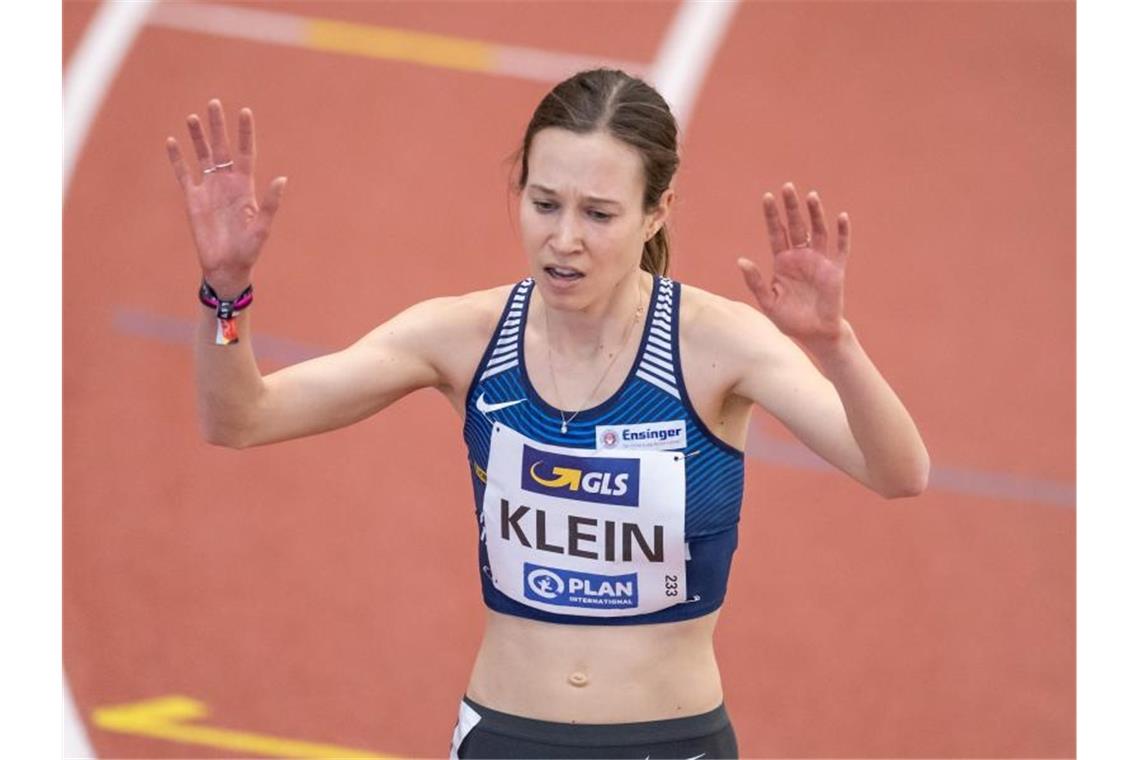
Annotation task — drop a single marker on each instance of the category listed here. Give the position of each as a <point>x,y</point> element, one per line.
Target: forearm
<point>896,458</point>
<point>228,381</point>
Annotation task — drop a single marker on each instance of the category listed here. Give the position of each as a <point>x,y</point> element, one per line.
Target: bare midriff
<point>596,673</point>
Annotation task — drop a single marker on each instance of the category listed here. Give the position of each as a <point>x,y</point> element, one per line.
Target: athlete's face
<point>581,216</point>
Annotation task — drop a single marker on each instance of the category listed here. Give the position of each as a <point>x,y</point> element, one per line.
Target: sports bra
<point>630,516</point>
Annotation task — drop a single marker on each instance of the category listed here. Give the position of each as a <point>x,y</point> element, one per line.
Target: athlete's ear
<point>656,218</point>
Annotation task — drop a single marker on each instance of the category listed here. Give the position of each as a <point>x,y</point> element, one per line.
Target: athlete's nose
<point>567,235</point>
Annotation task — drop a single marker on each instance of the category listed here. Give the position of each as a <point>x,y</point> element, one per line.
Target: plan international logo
<point>597,479</point>
<point>570,588</point>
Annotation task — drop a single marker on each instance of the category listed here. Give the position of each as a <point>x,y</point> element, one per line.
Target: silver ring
<point>215,167</point>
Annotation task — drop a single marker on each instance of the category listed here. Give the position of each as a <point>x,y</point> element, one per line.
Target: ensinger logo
<point>646,436</point>
<point>663,434</point>
<point>598,479</point>
<point>572,588</point>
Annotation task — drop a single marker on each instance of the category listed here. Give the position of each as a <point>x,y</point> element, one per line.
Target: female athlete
<point>605,408</point>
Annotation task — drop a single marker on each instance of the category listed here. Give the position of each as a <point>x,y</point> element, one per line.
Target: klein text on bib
<point>584,532</point>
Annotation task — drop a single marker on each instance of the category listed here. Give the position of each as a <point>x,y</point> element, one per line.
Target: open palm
<point>228,224</point>
<point>804,297</point>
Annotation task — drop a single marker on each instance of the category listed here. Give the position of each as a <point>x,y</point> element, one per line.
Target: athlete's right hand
<point>229,226</point>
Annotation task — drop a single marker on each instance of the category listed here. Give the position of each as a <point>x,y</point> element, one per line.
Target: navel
<point>578,678</point>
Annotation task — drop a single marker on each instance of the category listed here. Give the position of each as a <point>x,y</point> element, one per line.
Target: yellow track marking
<point>167,717</point>
<point>397,44</point>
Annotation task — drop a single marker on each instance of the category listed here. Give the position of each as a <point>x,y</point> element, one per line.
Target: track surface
<point>326,589</point>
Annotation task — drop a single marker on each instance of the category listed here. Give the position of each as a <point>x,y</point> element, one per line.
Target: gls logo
<point>597,479</point>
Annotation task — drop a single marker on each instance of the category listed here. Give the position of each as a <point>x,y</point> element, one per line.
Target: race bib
<point>583,532</point>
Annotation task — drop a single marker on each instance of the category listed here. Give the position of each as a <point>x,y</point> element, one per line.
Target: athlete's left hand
<point>804,297</point>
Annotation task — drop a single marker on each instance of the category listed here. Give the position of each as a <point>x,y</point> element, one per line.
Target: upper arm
<point>404,354</point>
<point>771,370</point>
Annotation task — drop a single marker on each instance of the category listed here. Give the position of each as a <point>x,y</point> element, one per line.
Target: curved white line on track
<point>92,68</point>
<point>89,74</point>
<point>687,52</point>
<point>75,744</point>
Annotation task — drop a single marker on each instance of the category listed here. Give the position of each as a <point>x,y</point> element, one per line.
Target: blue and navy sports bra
<point>627,518</point>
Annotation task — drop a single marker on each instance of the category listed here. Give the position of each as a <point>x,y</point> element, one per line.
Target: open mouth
<point>564,273</point>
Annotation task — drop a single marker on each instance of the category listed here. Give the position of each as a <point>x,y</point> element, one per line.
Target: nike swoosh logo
<point>482,405</point>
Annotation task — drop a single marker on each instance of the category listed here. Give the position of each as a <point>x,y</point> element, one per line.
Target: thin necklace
<point>550,363</point>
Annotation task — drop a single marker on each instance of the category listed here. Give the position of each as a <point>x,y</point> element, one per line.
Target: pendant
<point>563,427</point>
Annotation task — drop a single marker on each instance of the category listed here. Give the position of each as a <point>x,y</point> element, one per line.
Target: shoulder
<point>713,321</point>
<point>466,314</point>
<point>452,315</point>
<point>449,333</point>
<point>437,328</point>
<point>731,347</point>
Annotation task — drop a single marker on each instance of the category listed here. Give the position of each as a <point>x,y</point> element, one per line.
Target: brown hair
<point>630,110</point>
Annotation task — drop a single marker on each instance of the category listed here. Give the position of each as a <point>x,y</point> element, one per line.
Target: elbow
<point>228,443</point>
<point>224,436</point>
<point>224,441</point>
<point>229,424</point>
<point>909,485</point>
<point>905,490</point>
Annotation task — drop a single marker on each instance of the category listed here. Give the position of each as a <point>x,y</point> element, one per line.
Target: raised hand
<point>805,296</point>
<point>228,224</point>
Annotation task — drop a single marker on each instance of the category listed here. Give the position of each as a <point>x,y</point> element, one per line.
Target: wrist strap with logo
<point>226,311</point>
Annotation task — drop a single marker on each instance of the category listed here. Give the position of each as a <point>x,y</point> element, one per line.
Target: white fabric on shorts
<point>468,718</point>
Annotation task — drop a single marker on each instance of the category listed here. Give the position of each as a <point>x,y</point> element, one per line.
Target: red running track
<point>325,589</point>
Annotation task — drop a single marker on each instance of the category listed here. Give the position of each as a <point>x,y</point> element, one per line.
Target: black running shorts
<point>482,732</point>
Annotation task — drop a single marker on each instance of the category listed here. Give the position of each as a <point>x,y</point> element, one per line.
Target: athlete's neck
<point>601,326</point>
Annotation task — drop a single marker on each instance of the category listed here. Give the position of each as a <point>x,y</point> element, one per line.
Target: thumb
<point>755,282</point>
<point>272,201</point>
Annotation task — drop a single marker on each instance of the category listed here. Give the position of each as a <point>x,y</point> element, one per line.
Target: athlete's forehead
<point>594,167</point>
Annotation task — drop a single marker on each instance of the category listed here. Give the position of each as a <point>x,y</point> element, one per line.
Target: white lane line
<point>687,52</point>
<point>225,21</point>
<point>91,70</point>
<point>89,73</point>
<point>549,66</point>
<point>75,744</point>
<point>345,38</point>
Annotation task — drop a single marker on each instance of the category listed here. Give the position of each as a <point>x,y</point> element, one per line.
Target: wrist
<point>832,348</point>
<point>226,310</point>
<point>228,284</point>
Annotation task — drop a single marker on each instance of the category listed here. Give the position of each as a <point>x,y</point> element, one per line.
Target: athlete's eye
<point>601,216</point>
<point>544,207</point>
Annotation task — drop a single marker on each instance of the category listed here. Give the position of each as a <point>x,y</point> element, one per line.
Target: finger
<point>777,235</point>
<point>844,236</point>
<point>198,139</point>
<point>270,203</point>
<point>818,222</point>
<point>175,156</point>
<point>244,159</point>
<point>797,231</point>
<point>219,142</point>
<point>755,282</point>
